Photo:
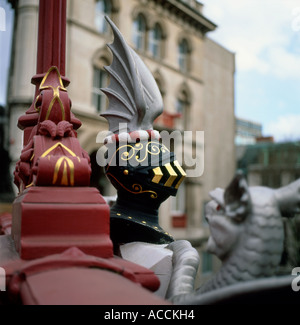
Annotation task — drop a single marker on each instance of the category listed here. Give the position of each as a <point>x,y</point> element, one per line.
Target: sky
<point>6,23</point>
<point>265,36</point>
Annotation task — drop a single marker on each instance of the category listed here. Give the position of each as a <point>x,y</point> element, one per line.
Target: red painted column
<point>51,36</point>
<point>56,208</point>
<point>51,52</point>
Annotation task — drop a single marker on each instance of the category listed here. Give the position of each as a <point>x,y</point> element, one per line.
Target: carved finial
<point>53,155</point>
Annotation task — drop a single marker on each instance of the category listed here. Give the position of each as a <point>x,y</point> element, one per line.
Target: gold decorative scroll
<point>152,148</point>
<point>137,188</point>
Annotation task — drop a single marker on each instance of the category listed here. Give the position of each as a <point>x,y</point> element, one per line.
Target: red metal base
<point>73,277</point>
<point>49,220</point>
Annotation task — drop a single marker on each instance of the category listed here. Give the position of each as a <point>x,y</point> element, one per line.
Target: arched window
<point>183,108</point>
<point>183,55</point>
<point>102,8</point>
<point>100,80</point>
<point>139,32</point>
<point>156,41</point>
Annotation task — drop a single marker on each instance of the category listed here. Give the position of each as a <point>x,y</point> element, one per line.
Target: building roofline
<point>247,120</point>
<point>195,16</point>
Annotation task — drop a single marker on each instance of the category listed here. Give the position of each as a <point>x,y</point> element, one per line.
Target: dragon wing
<point>134,97</point>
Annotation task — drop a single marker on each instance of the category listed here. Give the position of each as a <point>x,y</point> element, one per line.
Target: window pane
<point>182,107</point>
<point>99,81</point>
<point>103,7</point>
<point>183,52</point>
<point>178,202</point>
<point>155,41</point>
<point>206,262</point>
<point>139,32</point>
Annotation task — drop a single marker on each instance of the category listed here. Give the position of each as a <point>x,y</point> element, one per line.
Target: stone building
<point>195,76</point>
<point>271,164</point>
<point>247,132</point>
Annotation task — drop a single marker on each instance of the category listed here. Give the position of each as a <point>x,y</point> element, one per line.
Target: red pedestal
<point>49,220</point>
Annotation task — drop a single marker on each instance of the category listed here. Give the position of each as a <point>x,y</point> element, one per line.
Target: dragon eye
<point>218,208</point>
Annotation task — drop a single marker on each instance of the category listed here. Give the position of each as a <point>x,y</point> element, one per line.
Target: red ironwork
<point>52,36</point>
<point>76,278</point>
<point>51,53</point>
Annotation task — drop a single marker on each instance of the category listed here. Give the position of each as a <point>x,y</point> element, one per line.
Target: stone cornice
<point>189,14</point>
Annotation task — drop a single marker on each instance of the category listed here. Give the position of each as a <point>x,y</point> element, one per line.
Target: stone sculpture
<point>246,224</point>
<point>247,234</point>
<point>141,168</point>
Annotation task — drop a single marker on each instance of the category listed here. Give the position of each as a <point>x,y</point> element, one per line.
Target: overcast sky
<point>265,35</point>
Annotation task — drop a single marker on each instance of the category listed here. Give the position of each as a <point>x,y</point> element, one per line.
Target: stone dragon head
<point>246,229</point>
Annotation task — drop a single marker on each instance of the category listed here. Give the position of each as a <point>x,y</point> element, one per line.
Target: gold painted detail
<point>134,151</point>
<point>59,144</point>
<point>143,222</point>
<point>137,188</point>
<point>56,95</point>
<point>66,162</point>
<point>29,185</point>
<point>172,174</point>
<point>182,172</point>
<point>158,175</point>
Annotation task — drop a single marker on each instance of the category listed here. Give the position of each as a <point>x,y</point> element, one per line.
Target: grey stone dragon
<point>246,234</point>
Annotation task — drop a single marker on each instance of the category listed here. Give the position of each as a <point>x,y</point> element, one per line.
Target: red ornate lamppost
<point>53,173</point>
<point>61,226</point>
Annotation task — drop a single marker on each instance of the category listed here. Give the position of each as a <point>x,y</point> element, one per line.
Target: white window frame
<point>100,80</point>
<point>102,8</point>
<point>156,41</point>
<point>139,32</point>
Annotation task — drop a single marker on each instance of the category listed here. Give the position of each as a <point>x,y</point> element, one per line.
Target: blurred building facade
<point>271,164</point>
<point>247,132</point>
<point>195,76</point>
